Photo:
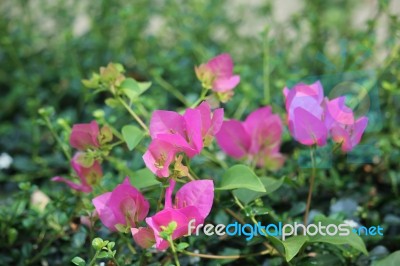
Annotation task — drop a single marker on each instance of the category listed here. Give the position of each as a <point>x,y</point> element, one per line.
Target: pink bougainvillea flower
<point>336,112</point>
<point>306,114</point>
<point>258,138</point>
<point>192,202</point>
<point>312,118</point>
<point>84,136</point>
<point>143,236</point>
<point>349,135</point>
<point>159,156</point>
<point>88,176</point>
<point>217,74</point>
<point>307,128</point>
<point>173,133</point>
<point>125,205</point>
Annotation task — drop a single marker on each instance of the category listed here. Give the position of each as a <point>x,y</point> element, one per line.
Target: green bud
<point>97,243</point>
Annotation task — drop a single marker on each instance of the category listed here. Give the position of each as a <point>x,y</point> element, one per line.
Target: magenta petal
<point>226,84</point>
<point>198,193</point>
<point>168,194</point>
<point>314,91</point>
<point>179,144</point>
<point>159,156</point>
<point>163,218</point>
<point>193,122</point>
<point>105,213</point>
<point>308,129</point>
<point>128,203</point>
<point>77,187</point>
<point>221,65</point>
<point>233,139</point>
<point>359,128</point>
<point>84,136</point>
<point>87,175</point>
<point>338,112</point>
<point>307,103</point>
<point>205,112</point>
<point>256,118</point>
<point>217,120</point>
<point>143,236</point>
<point>166,122</point>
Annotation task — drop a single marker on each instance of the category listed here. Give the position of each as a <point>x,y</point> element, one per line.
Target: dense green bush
<point>45,52</point>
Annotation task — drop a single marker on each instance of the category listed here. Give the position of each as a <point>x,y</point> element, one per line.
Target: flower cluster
<point>313,117</point>
<point>174,136</point>
<point>86,138</point>
<point>126,207</point>
<point>258,138</point>
<point>173,133</point>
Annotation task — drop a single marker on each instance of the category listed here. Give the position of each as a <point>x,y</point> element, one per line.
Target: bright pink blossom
<point>173,133</point>
<point>192,202</point>
<point>88,176</point>
<point>258,138</point>
<point>312,118</point>
<point>84,136</point>
<point>217,74</point>
<point>125,205</point>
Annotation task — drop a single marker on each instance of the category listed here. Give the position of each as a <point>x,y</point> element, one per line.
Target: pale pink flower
<point>312,118</point>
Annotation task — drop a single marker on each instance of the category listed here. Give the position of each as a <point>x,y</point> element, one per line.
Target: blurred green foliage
<point>48,47</point>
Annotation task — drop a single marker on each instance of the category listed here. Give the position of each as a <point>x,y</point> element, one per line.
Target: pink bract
<point>312,118</point>
<point>217,74</point>
<point>258,138</point>
<point>85,136</point>
<point>193,201</point>
<point>125,205</point>
<point>88,176</point>
<point>173,133</point>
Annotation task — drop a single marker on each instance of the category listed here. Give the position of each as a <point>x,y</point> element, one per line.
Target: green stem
<point>266,68</point>
<point>271,249</point>
<point>116,144</point>
<point>310,189</point>
<point>160,198</point>
<point>202,97</point>
<point>212,157</point>
<point>171,244</point>
<point>134,115</point>
<point>168,87</point>
<point>58,140</point>
<point>93,261</point>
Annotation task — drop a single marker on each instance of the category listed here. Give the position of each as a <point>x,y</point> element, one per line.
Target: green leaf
<point>78,261</point>
<point>102,254</point>
<point>293,245</point>
<point>143,178</point>
<point>352,239</point>
<point>110,245</point>
<point>113,103</point>
<point>132,136</point>
<point>270,184</point>
<point>133,89</point>
<point>391,260</point>
<point>241,176</point>
<point>181,246</point>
